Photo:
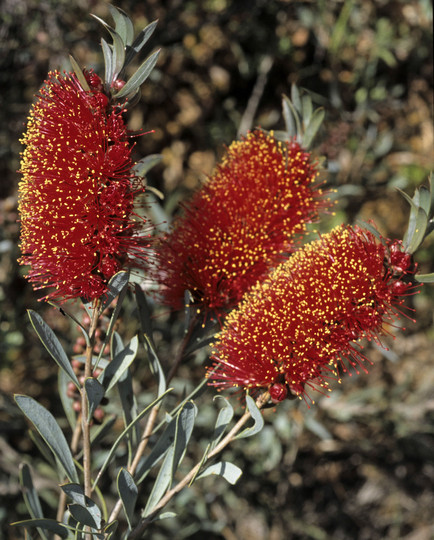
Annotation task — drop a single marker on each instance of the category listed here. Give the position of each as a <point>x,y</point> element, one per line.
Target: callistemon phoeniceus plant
<point>242,222</point>
<point>294,329</point>
<point>76,196</point>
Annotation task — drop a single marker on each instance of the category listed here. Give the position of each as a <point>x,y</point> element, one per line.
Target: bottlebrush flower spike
<point>76,196</point>
<point>241,223</point>
<point>295,328</point>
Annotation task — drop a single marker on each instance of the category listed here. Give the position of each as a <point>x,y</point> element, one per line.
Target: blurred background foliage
<point>360,463</point>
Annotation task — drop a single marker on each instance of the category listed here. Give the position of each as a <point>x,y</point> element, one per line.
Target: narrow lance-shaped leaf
<point>93,513</point>
<point>82,515</point>
<point>140,41</point>
<point>124,433</point>
<point>67,402</point>
<point>313,127</point>
<point>94,393</point>
<point>139,76</point>
<point>50,431</point>
<point>184,428</point>
<point>108,62</point>
<point>230,472</point>
<point>224,417</point>
<point>45,524</point>
<point>52,344</point>
<point>128,493</point>
<point>424,278</point>
<point>79,74</point>
<point>257,417</point>
<point>161,483</point>
<point>143,166</point>
<point>123,25</point>
<point>30,496</point>
<point>115,369</point>
<point>115,286</point>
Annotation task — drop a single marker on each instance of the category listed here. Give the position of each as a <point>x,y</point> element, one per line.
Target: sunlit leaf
<point>139,76</point>
<point>115,369</point>
<point>123,25</point>
<point>224,417</point>
<point>257,417</point>
<point>230,472</point>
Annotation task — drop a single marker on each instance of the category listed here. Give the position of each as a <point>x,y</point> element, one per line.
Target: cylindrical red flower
<point>76,196</point>
<point>241,223</point>
<point>296,327</point>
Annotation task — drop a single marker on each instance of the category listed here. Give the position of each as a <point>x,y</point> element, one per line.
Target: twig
<point>137,532</point>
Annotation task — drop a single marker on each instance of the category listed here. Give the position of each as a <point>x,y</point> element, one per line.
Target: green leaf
<point>143,166</point>
<point>425,199</point>
<point>116,368</point>
<point>108,62</point>
<point>123,25</point>
<point>416,230</point>
<point>230,472</point>
<point>93,513</point>
<point>94,393</point>
<point>290,115</point>
<point>224,417</point>
<point>50,431</point>
<point>161,447</point>
<point>161,483</point>
<point>82,515</point>
<point>424,278</point>
<point>128,493</point>
<point>257,417</point>
<point>67,402</point>
<point>52,344</point>
<point>296,99</point>
<point>30,495</point>
<point>115,286</point>
<point>79,74</point>
<point>307,109</point>
<point>155,366</point>
<point>118,57</point>
<point>124,433</point>
<point>313,127</point>
<point>139,76</point>
<point>45,524</point>
<point>184,428</point>
<point>140,41</point>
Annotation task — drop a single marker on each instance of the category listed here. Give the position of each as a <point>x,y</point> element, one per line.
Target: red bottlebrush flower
<point>76,196</point>
<point>241,223</point>
<point>299,324</point>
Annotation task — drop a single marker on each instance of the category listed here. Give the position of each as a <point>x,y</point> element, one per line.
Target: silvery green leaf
<point>118,55</point>
<point>50,431</point>
<point>108,62</point>
<point>296,99</point>
<point>76,493</point>
<point>82,515</point>
<point>139,76</point>
<point>312,127</point>
<point>143,166</point>
<point>425,199</point>
<point>415,233</point>
<point>224,417</point>
<point>128,492</point>
<point>184,428</point>
<point>155,365</point>
<point>98,432</point>
<point>145,313</point>
<point>408,199</point>
<point>164,515</point>
<point>45,524</point>
<point>257,417</point>
<point>116,368</point>
<point>115,286</point>
<point>230,472</point>
<point>67,402</point>
<point>290,116</point>
<point>52,344</point>
<point>124,433</point>
<point>307,109</point>
<point>30,496</point>
<point>43,449</point>
<point>95,393</point>
<point>139,42</point>
<point>79,74</point>
<point>424,278</point>
<point>160,449</point>
<point>161,483</point>
<point>123,25</point>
